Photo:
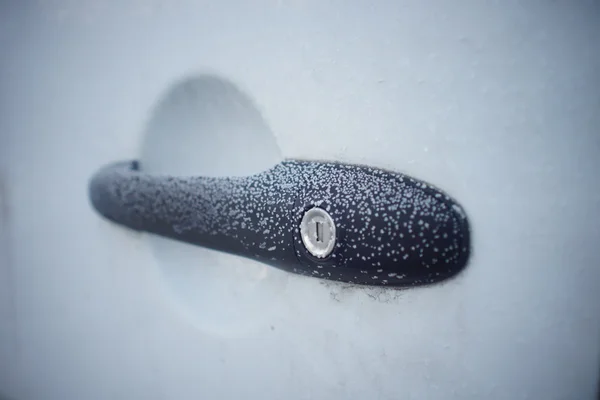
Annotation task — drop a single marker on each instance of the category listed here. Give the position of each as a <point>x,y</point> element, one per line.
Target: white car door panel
<point>494,103</point>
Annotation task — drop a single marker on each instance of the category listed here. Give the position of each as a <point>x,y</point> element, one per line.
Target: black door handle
<point>329,220</point>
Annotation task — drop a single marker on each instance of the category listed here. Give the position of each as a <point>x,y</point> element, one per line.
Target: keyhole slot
<point>319,231</point>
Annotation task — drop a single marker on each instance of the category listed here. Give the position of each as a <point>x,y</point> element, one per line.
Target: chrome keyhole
<point>317,230</point>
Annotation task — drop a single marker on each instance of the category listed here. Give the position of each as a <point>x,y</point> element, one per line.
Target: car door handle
<point>329,220</point>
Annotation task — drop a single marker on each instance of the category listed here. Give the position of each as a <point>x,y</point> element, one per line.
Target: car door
<point>494,103</point>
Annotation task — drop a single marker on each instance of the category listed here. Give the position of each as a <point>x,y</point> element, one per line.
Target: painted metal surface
<point>496,102</point>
